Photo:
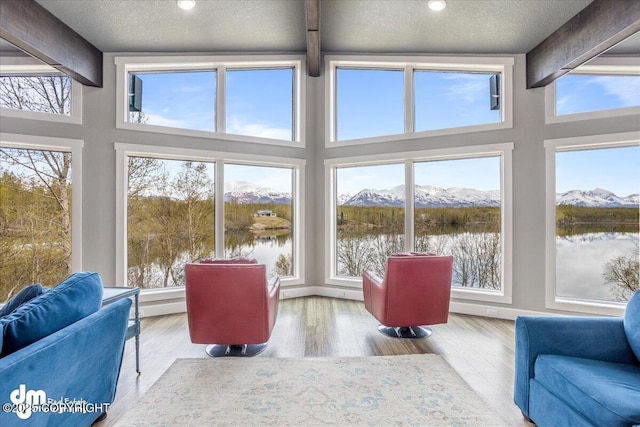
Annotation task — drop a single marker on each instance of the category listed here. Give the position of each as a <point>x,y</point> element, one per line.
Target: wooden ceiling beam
<point>32,28</point>
<point>596,28</point>
<point>312,17</point>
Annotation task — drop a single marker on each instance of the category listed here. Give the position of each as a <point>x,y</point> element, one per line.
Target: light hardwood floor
<point>480,349</point>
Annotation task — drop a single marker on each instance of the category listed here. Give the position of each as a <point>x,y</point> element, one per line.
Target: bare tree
<point>284,265</point>
<point>43,93</point>
<point>477,260</point>
<point>353,255</point>
<point>383,246</point>
<point>46,175</point>
<point>623,273</point>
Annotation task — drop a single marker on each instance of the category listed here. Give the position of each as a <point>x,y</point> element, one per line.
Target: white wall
<point>99,134</point>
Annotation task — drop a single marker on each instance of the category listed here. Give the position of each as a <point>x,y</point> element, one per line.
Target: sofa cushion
<point>632,323</point>
<point>605,392</point>
<point>78,296</point>
<point>26,294</point>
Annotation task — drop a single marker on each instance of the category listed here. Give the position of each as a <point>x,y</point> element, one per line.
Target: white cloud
<point>627,90</point>
<point>239,126</point>
<point>160,120</point>
<point>467,87</point>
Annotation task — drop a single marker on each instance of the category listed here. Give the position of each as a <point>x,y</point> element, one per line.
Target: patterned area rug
<point>373,391</point>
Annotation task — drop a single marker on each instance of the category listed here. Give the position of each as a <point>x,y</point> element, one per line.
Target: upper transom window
<point>252,101</point>
<point>606,87</point>
<point>37,91</point>
<point>378,101</point>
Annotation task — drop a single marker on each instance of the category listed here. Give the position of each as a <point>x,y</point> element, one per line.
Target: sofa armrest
<point>598,338</point>
<point>81,361</point>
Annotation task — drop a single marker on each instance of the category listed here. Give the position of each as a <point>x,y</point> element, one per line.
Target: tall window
<point>596,222</point>
<point>258,206</point>
<point>183,205</point>
<point>170,219</point>
<point>259,102</point>
<point>458,212</point>
<point>454,201</point>
<point>179,99</point>
<point>370,209</point>
<point>35,218</point>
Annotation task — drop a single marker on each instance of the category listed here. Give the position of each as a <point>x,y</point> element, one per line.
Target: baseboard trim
<point>157,308</point>
<point>160,309</point>
<point>498,312</point>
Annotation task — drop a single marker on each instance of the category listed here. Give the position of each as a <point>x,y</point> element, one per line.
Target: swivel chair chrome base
<point>235,350</point>
<point>405,331</point>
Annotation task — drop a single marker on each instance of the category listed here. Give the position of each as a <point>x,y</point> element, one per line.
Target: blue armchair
<point>579,371</point>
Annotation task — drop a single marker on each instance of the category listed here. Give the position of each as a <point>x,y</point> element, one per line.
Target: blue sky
<point>613,169</point>
<point>578,93</point>
<point>279,179</point>
<point>370,103</point>
<point>480,173</point>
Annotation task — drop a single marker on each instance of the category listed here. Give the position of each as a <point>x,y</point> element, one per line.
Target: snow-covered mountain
<point>597,198</point>
<point>246,192</point>
<point>426,196</point>
<point>435,197</point>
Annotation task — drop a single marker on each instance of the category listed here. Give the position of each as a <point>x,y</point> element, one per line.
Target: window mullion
<point>219,209</point>
<point>409,206</point>
<point>409,101</point>
<point>221,94</point>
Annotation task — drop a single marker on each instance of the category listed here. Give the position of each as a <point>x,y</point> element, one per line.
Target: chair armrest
<point>598,338</point>
<point>373,289</point>
<point>273,301</point>
<point>273,287</point>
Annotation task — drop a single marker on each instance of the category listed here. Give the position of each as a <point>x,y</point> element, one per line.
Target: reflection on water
<point>266,248</point>
<point>580,259</point>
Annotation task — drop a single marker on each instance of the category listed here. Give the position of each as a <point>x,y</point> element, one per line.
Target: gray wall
<point>528,133</point>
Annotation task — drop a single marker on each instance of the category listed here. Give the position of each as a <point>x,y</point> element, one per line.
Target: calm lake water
<point>579,266</point>
<point>267,249</point>
<point>581,258</point>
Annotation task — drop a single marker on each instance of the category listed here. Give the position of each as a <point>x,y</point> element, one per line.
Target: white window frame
<point>503,150</point>
<point>128,64</point>
<point>598,66</point>
<point>502,65</point>
<point>124,151</point>
<point>553,146</point>
<point>27,67</point>
<point>73,146</point>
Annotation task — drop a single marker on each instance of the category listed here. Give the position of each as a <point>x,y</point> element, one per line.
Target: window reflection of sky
<point>580,260</point>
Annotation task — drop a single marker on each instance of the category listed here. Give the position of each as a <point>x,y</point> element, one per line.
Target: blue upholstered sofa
<point>61,348</point>
<point>579,371</point>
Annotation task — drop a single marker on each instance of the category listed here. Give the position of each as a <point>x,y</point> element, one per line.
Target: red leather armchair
<point>231,306</point>
<point>415,291</point>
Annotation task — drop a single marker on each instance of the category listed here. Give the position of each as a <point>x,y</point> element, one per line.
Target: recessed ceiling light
<point>186,4</point>
<point>437,5</point>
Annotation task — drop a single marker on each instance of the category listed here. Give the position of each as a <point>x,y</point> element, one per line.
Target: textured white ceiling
<point>358,26</point>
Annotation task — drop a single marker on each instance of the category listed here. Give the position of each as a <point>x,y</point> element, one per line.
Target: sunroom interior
<point>394,105</point>
<point>320,137</point>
